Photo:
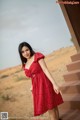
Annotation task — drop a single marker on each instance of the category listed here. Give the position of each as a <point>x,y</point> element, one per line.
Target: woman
<point>46,94</point>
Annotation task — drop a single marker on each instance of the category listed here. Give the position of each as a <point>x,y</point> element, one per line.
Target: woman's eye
<point>22,52</point>
<point>27,50</point>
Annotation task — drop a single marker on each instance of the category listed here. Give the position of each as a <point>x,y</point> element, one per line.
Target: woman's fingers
<point>57,91</point>
<point>30,89</point>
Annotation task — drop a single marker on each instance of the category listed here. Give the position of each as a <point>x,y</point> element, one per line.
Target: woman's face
<point>26,52</point>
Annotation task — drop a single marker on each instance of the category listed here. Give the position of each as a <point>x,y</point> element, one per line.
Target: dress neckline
<point>31,63</point>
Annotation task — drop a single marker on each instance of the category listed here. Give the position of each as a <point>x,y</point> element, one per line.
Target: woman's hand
<point>31,88</point>
<point>56,89</point>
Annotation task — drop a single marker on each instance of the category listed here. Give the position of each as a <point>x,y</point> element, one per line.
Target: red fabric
<point>44,97</point>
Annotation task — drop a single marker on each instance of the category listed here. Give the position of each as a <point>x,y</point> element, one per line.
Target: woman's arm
<point>47,73</point>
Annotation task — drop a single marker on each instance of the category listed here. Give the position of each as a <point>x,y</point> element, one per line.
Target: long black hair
<point>24,60</point>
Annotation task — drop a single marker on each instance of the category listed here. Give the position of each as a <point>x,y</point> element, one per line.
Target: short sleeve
<point>39,56</point>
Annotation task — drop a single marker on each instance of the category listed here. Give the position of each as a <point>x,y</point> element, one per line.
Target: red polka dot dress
<point>44,96</point>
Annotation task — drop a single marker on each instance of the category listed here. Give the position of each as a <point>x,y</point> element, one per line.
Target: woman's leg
<point>57,112</point>
<point>53,114</point>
